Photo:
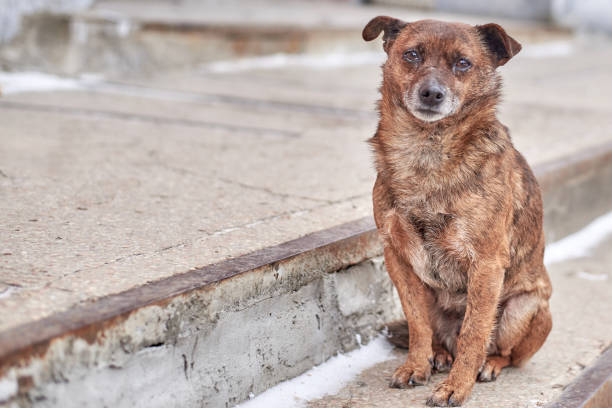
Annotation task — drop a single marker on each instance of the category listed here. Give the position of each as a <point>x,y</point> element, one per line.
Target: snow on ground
<point>314,61</point>
<point>335,373</point>
<point>23,82</point>
<point>579,244</point>
<point>324,379</point>
<point>8,387</point>
<point>18,82</point>
<point>8,292</point>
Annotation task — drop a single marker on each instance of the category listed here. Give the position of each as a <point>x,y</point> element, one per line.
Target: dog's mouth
<point>427,111</point>
<point>428,114</point>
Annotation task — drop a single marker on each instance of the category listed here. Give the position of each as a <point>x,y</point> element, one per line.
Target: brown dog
<point>458,208</point>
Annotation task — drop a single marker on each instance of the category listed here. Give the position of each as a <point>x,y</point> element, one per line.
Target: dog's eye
<point>412,56</point>
<point>462,64</point>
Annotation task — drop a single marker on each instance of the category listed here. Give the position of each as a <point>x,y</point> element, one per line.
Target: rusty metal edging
<point>89,319</point>
<point>592,388</point>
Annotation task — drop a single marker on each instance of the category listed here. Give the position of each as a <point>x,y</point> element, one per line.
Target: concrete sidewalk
<point>120,183</point>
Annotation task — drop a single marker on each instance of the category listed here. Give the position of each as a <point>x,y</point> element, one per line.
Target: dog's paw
<point>449,394</point>
<point>411,374</point>
<point>491,368</point>
<point>442,361</point>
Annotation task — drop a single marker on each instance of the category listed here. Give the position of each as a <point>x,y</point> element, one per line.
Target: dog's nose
<point>431,94</point>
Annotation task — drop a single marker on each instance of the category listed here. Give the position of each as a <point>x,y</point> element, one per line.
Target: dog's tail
<point>397,333</point>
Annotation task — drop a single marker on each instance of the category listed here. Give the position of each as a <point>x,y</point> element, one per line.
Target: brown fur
<point>459,211</point>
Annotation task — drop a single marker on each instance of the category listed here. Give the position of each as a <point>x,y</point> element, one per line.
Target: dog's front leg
<point>417,368</point>
<point>416,302</point>
<point>484,287</point>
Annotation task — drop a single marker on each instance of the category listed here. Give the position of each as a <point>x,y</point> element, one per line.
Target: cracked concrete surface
<point>135,179</point>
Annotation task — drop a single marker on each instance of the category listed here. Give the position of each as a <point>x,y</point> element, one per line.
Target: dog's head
<point>434,69</point>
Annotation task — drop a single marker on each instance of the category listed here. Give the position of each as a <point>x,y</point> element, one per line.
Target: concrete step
<point>215,335</point>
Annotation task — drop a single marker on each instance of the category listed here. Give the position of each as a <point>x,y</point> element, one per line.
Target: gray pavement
<point>582,330</point>
<point>134,179</point>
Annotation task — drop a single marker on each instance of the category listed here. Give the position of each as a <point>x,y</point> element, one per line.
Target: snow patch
<point>19,82</point>
<point>8,388</point>
<point>592,276</point>
<point>324,379</point>
<point>7,292</point>
<point>548,49</point>
<point>276,61</point>
<point>579,244</point>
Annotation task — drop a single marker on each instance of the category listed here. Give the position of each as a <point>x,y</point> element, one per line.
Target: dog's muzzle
<point>430,101</point>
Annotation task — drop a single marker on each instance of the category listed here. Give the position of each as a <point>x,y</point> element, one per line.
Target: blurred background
<point>76,36</point>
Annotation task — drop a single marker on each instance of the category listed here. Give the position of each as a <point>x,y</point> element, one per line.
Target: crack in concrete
<point>51,282</point>
<point>293,213</point>
<point>272,192</point>
<point>184,171</point>
<point>250,305</point>
<point>267,190</point>
<point>123,258</point>
<point>108,114</point>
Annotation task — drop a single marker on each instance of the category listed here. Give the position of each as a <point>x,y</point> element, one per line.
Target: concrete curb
<point>212,336</point>
<point>575,189</point>
<point>337,247</point>
<point>208,337</point>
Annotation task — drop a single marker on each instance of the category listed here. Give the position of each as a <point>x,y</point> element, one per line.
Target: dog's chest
<point>418,163</point>
<point>427,185</point>
<point>445,246</point>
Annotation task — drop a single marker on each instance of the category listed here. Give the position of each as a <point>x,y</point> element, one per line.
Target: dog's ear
<point>501,46</point>
<point>391,26</point>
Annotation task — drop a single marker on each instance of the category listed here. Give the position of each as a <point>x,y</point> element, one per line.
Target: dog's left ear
<point>501,45</point>
<point>391,26</point>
